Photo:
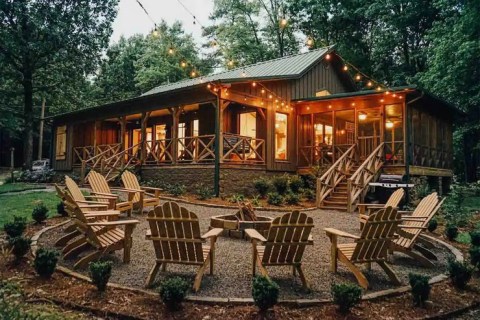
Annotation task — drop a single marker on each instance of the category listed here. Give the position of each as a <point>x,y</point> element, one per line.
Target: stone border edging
<point>223,206</point>
<point>246,301</point>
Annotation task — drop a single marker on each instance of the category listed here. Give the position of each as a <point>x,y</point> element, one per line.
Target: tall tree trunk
<point>28,120</point>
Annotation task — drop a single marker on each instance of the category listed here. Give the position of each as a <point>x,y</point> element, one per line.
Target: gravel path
<point>232,276</point>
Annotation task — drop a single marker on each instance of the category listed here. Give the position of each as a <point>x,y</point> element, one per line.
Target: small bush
<point>309,181</point>
<point>275,199</point>
<point>255,201</point>
<point>280,183</point>
<point>475,238</point>
<point>432,225</point>
<point>262,186</point>
<point>460,273</point>
<point>40,213</point>
<point>203,192</point>
<point>451,231</point>
<point>100,273</point>
<point>265,293</point>
<point>45,262</point>
<point>237,197</point>
<point>295,184</point>
<point>173,291</point>
<point>309,194</point>
<point>16,227</point>
<point>292,198</point>
<point>420,288</point>
<point>20,246</point>
<point>475,256</point>
<point>346,295</point>
<point>177,189</point>
<point>61,209</point>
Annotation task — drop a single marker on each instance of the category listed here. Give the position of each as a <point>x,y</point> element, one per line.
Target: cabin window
<point>160,132</point>
<point>322,93</point>
<point>323,129</point>
<point>61,143</point>
<point>345,127</point>
<point>182,128</point>
<point>394,133</point>
<point>281,136</point>
<point>195,128</point>
<point>248,124</point>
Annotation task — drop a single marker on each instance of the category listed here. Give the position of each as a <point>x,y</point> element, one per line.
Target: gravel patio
<point>232,276</point>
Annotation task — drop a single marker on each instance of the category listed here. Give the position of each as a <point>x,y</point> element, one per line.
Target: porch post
<point>218,142</point>
<point>143,146</point>
<point>95,125</point>
<point>123,125</point>
<point>175,121</point>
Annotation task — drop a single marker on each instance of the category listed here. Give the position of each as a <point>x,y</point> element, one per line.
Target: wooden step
<point>325,207</point>
<point>334,203</point>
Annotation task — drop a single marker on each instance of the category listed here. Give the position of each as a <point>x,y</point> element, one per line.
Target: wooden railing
<point>366,145</point>
<point>196,149</point>
<point>104,152</point>
<point>126,159</point>
<point>337,172</point>
<point>243,149</point>
<point>394,153</point>
<point>357,184</point>
<point>92,153</point>
<point>159,152</point>
<point>318,155</point>
<point>425,156</point>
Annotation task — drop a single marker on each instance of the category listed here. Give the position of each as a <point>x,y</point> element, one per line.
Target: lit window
<point>281,136</point>
<point>61,143</point>
<point>322,93</point>
<point>195,128</point>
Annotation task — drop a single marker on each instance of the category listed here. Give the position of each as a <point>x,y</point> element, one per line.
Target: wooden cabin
<point>287,115</point>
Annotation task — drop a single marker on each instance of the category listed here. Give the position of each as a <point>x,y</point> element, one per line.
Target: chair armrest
<point>310,240</point>
<point>114,223</point>
<point>340,233</point>
<point>152,188</point>
<point>215,232</point>
<point>98,214</point>
<point>105,195</point>
<point>380,205</point>
<point>80,202</point>
<point>127,190</point>
<point>405,212</point>
<point>93,206</point>
<point>363,216</point>
<point>411,227</point>
<point>419,219</point>
<point>254,234</point>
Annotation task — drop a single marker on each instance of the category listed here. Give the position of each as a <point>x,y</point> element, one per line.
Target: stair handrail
<point>93,162</point>
<point>357,184</point>
<point>119,157</point>
<point>336,173</point>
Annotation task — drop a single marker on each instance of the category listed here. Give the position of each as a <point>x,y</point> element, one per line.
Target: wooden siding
<point>64,165</point>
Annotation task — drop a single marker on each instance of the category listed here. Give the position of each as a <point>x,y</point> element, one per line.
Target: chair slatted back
<point>130,181</point>
<point>175,233</point>
<point>74,190</point>
<point>376,236</point>
<point>63,194</point>
<point>394,200</point>
<point>98,183</point>
<point>287,238</point>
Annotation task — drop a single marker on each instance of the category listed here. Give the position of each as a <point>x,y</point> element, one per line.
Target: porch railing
<point>159,152</point>
<point>196,149</point>
<point>94,153</point>
<point>243,149</point>
<point>394,153</point>
<point>357,184</point>
<point>317,155</point>
<point>426,156</point>
<point>337,172</point>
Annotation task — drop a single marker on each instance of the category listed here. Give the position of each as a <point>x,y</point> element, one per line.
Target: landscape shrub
<point>265,293</point>
<point>459,272</point>
<point>475,256</point>
<point>16,227</point>
<point>61,209</point>
<point>451,231</point>
<point>20,246</point>
<point>40,213</point>
<point>275,199</point>
<point>346,295</point>
<point>280,183</point>
<point>176,189</point>
<point>420,288</point>
<point>309,194</point>
<point>475,238</point>
<point>203,192</point>
<point>173,291</point>
<point>262,186</point>
<point>453,208</point>
<point>43,176</point>
<point>100,272</point>
<point>309,181</point>
<point>292,198</point>
<point>255,201</point>
<point>237,197</point>
<point>45,262</point>
<point>295,184</point>
<point>432,225</point>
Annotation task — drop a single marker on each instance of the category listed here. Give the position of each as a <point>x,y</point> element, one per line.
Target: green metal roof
<point>289,67</point>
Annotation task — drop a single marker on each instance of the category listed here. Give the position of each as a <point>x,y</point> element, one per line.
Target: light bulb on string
<point>358,77</point>
<point>171,51</point>
<point>254,84</point>
<point>283,22</point>
<point>263,91</point>
<point>230,63</point>
<point>328,56</point>
<point>309,42</point>
<point>193,73</point>
<point>345,68</point>
<point>369,84</point>
<point>183,64</point>
<point>156,33</point>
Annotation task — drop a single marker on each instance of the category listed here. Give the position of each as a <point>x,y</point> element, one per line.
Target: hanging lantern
<point>362,116</point>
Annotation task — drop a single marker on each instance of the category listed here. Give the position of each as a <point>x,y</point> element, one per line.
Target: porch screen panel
<point>61,143</point>
<point>345,128</point>
<point>305,143</point>
<point>281,136</point>
<point>394,133</point>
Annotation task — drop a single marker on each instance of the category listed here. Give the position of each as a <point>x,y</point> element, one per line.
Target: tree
<point>46,42</point>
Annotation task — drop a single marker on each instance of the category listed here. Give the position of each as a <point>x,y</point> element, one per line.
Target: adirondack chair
<point>284,245</point>
<point>103,236</point>
<point>142,198</point>
<point>100,188</point>
<point>370,246</point>
<point>366,209</point>
<point>410,231</point>
<point>175,233</point>
<point>81,199</point>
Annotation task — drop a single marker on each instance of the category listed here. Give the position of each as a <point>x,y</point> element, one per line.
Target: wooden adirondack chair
<point>366,209</point>
<point>284,245</point>
<point>93,202</point>
<point>141,198</point>
<point>410,231</point>
<point>175,233</point>
<point>370,246</point>
<point>100,188</point>
<point>103,236</point>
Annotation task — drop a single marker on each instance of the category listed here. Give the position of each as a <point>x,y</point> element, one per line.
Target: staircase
<point>338,197</point>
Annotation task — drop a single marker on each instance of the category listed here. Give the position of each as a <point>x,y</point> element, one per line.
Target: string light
<point>328,56</point>
<point>358,77</point>
<point>254,84</point>
<point>183,64</point>
<point>309,42</point>
<point>369,84</point>
<point>193,74</point>
<point>156,33</point>
<point>262,91</point>
<point>283,22</point>
<point>170,51</point>
<point>345,68</point>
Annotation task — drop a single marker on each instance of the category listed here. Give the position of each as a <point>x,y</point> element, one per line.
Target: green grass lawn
<point>472,203</point>
<point>22,205</point>
<point>19,186</point>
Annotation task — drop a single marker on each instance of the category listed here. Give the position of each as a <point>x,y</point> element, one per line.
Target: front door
<point>369,130</point>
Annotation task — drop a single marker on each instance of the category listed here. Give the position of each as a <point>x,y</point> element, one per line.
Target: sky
<point>131,19</point>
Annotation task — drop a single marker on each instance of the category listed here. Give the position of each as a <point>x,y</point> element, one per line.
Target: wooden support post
<point>123,125</point>
<point>143,130</point>
<point>218,144</point>
<point>175,112</point>
<point>40,134</point>
<point>95,138</point>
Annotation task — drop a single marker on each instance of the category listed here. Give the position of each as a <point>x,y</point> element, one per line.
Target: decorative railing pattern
<point>196,149</point>
<point>317,155</point>
<point>337,172</point>
<point>426,156</point>
<point>357,184</point>
<point>394,153</point>
<point>243,149</point>
<point>125,159</point>
<point>91,154</point>
<point>159,152</point>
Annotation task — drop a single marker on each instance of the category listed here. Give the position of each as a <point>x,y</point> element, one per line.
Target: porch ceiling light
<point>362,116</point>
<point>389,124</point>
